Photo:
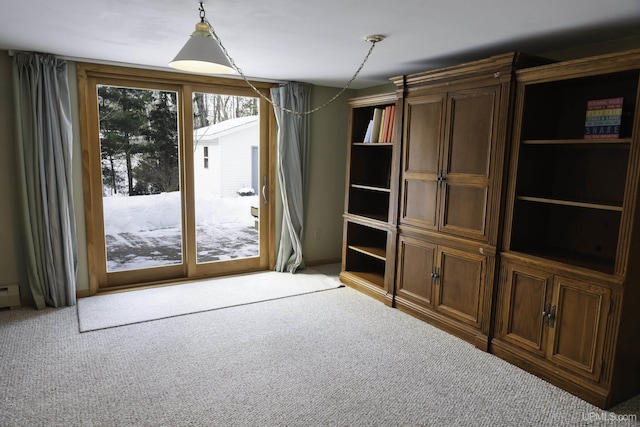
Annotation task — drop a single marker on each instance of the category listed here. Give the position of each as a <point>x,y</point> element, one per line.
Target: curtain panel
<point>44,147</point>
<point>292,163</point>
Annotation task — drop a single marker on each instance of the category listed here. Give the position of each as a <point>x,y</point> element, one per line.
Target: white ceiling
<point>320,42</point>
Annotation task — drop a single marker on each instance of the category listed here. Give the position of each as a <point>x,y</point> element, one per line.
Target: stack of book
<point>381,126</point>
<point>603,119</point>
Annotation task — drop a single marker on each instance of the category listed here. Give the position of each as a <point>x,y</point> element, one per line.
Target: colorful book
<point>387,124</point>
<point>392,123</point>
<point>603,118</point>
<point>377,124</point>
<point>383,124</point>
<point>367,135</point>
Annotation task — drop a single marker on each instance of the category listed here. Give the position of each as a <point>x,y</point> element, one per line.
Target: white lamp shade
<point>202,54</point>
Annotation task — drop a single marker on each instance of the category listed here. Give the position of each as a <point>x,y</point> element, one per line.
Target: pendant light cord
<point>371,39</point>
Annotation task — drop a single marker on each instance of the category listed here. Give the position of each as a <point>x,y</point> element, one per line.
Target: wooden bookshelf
<point>370,201</point>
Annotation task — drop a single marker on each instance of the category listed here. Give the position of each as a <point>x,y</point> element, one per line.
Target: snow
<point>124,214</point>
<point>145,231</point>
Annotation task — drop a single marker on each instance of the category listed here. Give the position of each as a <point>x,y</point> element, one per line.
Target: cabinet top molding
<point>495,66</point>
<point>593,65</point>
<point>373,100</point>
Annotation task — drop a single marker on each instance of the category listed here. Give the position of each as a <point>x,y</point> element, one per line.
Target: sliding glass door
<point>226,168</point>
<point>140,166</point>
<point>176,176</point>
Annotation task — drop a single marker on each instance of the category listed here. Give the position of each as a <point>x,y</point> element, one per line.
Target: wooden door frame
<point>88,75</point>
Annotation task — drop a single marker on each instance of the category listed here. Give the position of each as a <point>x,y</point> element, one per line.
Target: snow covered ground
<point>145,231</point>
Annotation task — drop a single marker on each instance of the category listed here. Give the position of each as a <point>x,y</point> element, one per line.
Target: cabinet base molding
<point>360,282</point>
<point>591,392</point>
<point>445,323</point>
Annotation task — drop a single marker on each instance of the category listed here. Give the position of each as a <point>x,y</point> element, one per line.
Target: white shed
<point>226,157</point>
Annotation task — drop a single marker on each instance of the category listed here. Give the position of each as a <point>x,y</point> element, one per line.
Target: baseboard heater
<point>10,296</point>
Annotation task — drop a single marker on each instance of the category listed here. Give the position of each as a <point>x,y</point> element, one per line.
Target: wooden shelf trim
<point>570,260</point>
<point>371,188</point>
<point>374,144</point>
<point>378,253</point>
<point>370,216</point>
<point>576,141</point>
<point>571,203</point>
<point>367,221</point>
<point>369,277</point>
<point>565,263</point>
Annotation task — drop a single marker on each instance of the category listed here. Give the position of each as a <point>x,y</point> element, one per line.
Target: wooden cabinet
<point>448,281</point>
<point>456,122</point>
<point>370,202</point>
<point>526,299</point>
<point>449,143</point>
<point>559,319</point>
<point>491,165</point>
<point>460,280</point>
<point>415,282</point>
<point>577,319</point>
<point>567,295</point>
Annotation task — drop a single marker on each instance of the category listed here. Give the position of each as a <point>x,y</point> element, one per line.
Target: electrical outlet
<point>316,234</point>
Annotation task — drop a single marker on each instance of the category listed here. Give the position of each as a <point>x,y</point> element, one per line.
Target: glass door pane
<point>141,195</point>
<point>226,144</point>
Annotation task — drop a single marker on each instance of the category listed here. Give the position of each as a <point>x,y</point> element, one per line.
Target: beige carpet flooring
<point>329,358</point>
<point>124,308</point>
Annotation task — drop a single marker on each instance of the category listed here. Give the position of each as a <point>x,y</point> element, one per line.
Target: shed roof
<point>217,130</point>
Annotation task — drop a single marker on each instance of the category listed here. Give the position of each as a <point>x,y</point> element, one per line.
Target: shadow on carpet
<point>144,305</point>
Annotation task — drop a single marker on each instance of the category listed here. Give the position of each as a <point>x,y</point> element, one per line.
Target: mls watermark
<point>608,416</point>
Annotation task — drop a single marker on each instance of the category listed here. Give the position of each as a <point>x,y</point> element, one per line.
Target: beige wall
<point>10,264</point>
<point>387,88</point>
<point>327,157</point>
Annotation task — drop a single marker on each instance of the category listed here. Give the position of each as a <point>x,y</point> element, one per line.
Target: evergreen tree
<point>158,169</point>
<point>123,119</point>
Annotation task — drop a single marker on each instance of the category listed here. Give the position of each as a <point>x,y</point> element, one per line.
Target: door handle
<point>436,274</point>
<point>442,177</point>
<point>549,315</point>
<point>264,189</point>
<point>552,316</point>
<point>545,314</point>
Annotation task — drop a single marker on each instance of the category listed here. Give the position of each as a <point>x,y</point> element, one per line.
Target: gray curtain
<point>43,140</point>
<point>292,158</point>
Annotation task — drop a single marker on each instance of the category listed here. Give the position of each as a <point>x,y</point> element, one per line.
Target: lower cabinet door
<point>415,271</point>
<point>577,326</point>
<point>459,285</point>
<point>525,294</point>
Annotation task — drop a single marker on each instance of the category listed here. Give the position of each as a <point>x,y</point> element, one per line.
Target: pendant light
<point>201,53</point>
<point>204,53</point>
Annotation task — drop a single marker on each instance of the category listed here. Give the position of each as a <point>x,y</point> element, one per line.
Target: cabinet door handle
<point>545,314</point>
<point>552,316</point>
<point>442,177</point>
<point>435,275</point>
<point>549,315</point>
